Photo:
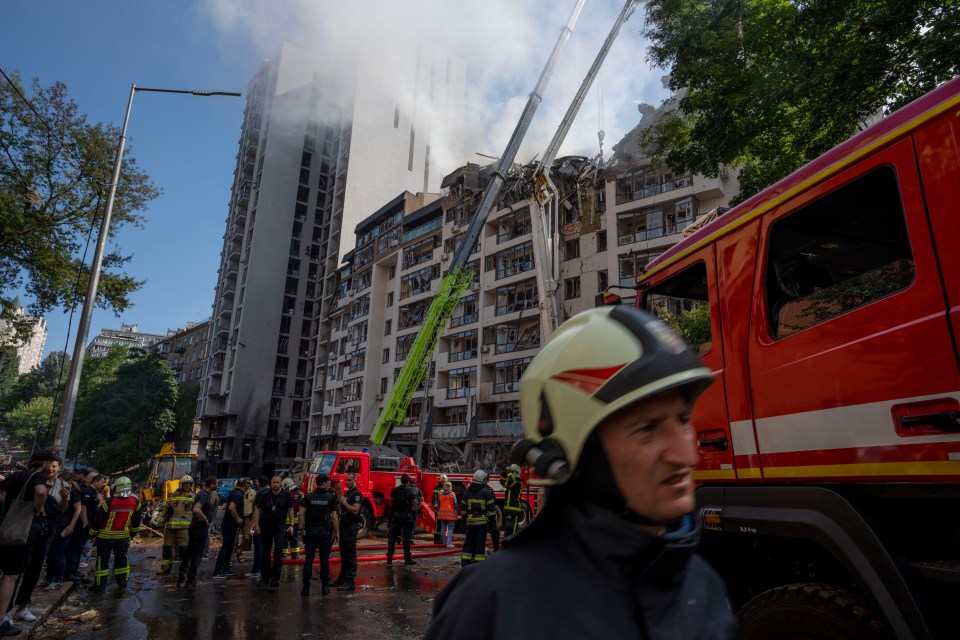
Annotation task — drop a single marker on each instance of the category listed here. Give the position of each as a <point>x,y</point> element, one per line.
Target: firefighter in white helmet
<point>478,506</point>
<point>606,412</point>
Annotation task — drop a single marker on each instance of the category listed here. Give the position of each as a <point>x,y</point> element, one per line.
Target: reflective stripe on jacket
<point>478,504</point>
<point>180,510</point>
<point>122,519</point>
<point>512,488</point>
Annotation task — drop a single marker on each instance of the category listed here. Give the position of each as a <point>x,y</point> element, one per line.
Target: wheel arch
<point>818,524</point>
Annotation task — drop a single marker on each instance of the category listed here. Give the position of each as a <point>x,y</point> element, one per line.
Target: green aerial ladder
<point>458,278</point>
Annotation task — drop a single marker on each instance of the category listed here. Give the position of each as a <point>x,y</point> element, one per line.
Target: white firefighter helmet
<point>123,485</point>
<point>514,468</point>
<point>480,476</point>
<point>598,362</point>
<point>288,484</point>
<point>185,479</point>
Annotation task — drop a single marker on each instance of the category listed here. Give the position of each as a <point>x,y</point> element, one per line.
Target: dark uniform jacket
<point>580,571</point>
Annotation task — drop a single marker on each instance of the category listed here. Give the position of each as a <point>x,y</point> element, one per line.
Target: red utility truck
<point>379,469</point>
<point>830,441</point>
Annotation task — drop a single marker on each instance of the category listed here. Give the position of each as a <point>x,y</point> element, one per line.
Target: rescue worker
<point>292,546</point>
<point>272,510</point>
<point>249,495</point>
<point>404,504</point>
<point>512,490</point>
<point>176,521</point>
<point>478,506</point>
<point>448,514</point>
<point>229,528</point>
<point>606,410</point>
<point>319,526</point>
<point>351,504</point>
<point>198,533</point>
<point>435,503</point>
<point>118,521</point>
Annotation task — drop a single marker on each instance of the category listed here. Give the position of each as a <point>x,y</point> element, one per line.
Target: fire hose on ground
<point>382,547</point>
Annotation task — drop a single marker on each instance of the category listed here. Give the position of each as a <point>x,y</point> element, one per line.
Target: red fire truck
<point>830,441</point>
<point>379,469</point>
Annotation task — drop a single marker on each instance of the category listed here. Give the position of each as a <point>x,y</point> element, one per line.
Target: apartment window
<point>303,194</point>
<point>516,297</point>
<point>276,404</point>
<point>512,261</point>
<point>462,382</point>
<point>279,386</point>
<point>386,355</point>
<point>383,385</point>
<point>390,298</point>
<point>821,264</point>
<point>404,344</point>
<point>293,268</point>
<point>463,346</point>
<point>356,360</point>
<point>391,272</point>
<point>360,307</point>
<point>571,288</point>
<point>603,280</point>
<point>351,418</point>
<point>632,264</point>
<point>387,327</point>
<point>571,249</point>
<point>465,312</point>
<point>681,216</point>
<point>450,245</point>
<point>601,240</point>
<point>357,333</point>
<point>281,366</point>
<point>420,252</point>
<point>508,411</point>
<point>513,225</point>
<point>638,225</point>
<point>507,374</point>
<point>412,315</point>
<point>508,338</point>
<point>419,281</point>
<point>352,389</point>
<point>283,343</point>
<point>643,182</point>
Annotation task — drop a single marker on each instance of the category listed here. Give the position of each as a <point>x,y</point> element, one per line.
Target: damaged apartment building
<point>612,220</point>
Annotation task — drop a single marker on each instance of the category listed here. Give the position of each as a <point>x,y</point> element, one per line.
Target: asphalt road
<point>389,603</point>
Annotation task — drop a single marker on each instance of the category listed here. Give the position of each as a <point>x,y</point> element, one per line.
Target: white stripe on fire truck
<point>741,432</point>
<point>862,425</point>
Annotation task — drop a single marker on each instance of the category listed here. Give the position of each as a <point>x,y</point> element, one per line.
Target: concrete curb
<point>42,604</point>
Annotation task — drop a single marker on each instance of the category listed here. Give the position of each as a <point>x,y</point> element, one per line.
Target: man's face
<point>351,481</point>
<point>652,451</point>
<point>53,469</point>
<point>98,484</point>
<point>275,483</point>
<point>325,485</point>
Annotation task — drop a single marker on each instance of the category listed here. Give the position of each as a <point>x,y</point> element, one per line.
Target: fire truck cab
<point>830,440</point>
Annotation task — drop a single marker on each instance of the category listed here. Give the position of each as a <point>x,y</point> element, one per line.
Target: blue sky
<point>188,144</point>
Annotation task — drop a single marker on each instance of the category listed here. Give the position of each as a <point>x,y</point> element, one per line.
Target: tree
<point>9,369</point>
<point>186,410</point>
<point>767,85</point>
<point>30,420</point>
<point>125,420</point>
<point>53,186</point>
<point>47,380</point>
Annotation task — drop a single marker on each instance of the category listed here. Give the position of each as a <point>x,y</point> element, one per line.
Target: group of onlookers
<point>48,514</point>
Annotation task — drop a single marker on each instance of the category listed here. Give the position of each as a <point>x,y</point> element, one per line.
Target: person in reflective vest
<point>478,507</point>
<point>118,521</point>
<point>435,503</point>
<point>292,547</point>
<point>176,521</point>
<point>447,513</point>
<point>512,490</point>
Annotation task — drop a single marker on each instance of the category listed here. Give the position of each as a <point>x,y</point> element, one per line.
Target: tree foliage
<point>53,186</point>
<point>47,380</point>
<point>29,420</point>
<point>125,420</point>
<point>693,325</point>
<point>186,410</point>
<point>9,369</point>
<point>768,85</point>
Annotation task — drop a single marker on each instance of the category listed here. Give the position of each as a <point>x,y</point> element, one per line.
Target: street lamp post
<point>83,329</point>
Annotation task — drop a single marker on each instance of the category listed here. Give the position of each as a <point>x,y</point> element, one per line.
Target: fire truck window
<point>839,253</point>
<point>682,302</point>
<point>348,465</point>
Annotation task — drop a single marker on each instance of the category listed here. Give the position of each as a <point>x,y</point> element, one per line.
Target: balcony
<point>499,429</point>
<point>449,431</point>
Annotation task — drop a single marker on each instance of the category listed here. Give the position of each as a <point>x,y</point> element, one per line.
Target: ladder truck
<point>458,278</point>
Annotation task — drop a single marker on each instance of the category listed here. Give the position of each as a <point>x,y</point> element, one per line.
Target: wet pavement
<point>389,603</point>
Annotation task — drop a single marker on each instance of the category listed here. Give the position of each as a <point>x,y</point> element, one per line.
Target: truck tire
<point>525,516</point>
<point>367,523</point>
<point>806,611</point>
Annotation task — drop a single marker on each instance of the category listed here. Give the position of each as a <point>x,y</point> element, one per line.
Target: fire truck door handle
<point>720,442</point>
<point>947,421</point>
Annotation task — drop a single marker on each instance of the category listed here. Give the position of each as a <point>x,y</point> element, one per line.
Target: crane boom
<point>544,218</point>
<point>458,278</point>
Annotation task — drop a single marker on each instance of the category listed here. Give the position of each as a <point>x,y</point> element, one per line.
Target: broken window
<point>513,225</point>
<point>462,382</point>
<point>463,346</point>
<point>507,374</point>
<point>516,297</point>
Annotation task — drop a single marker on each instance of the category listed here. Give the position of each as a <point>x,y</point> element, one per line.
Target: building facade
<point>30,352</point>
<point>320,148</point>
<point>186,350</point>
<point>128,335</point>
<point>611,222</point>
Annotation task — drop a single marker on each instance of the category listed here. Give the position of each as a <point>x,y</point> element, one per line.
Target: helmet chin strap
<point>595,484</point>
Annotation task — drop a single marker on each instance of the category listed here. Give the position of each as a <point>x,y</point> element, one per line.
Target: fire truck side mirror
<point>606,299</point>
